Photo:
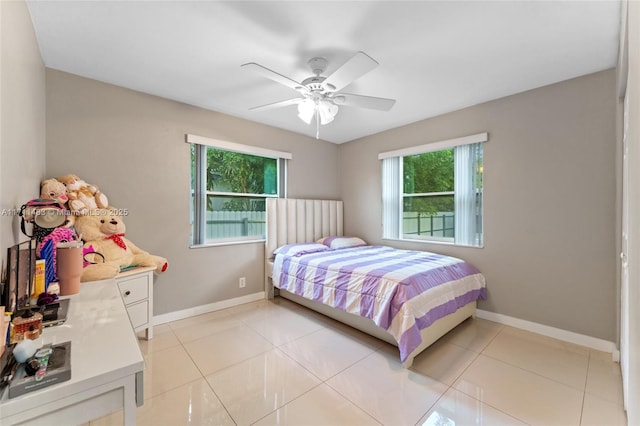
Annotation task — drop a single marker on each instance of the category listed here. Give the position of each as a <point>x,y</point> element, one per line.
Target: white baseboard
<point>556,333</point>
<point>545,330</point>
<point>204,309</point>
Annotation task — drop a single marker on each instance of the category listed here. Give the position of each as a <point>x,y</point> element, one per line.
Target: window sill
<point>226,243</point>
<point>435,242</point>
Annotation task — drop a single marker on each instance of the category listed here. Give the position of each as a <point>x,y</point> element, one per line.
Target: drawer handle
<point>126,293</point>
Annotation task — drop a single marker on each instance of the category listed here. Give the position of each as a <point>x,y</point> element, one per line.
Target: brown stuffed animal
<point>103,231</point>
<point>82,196</point>
<point>53,189</point>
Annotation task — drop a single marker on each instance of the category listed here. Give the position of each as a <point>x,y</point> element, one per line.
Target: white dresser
<point>136,289</point>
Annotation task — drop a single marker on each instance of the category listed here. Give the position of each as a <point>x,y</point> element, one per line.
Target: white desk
<point>106,365</point>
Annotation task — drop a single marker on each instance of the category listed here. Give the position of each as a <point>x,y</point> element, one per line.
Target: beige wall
<point>132,146</point>
<point>549,205</point>
<point>22,117</point>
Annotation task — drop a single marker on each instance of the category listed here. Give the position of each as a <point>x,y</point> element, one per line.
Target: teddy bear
<point>53,189</point>
<point>82,196</point>
<point>108,250</point>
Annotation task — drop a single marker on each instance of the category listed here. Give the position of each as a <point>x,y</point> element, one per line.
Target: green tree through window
<point>229,191</point>
<point>232,172</point>
<point>428,173</point>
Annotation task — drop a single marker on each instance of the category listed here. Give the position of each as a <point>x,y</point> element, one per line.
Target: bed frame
<point>292,221</point>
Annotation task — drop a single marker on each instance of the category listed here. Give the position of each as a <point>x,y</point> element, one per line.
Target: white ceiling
<point>435,56</point>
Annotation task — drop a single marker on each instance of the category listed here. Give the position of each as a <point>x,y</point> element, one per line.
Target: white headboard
<point>291,221</point>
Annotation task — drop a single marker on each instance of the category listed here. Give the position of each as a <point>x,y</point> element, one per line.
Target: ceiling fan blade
<point>272,75</point>
<point>369,102</point>
<point>277,104</point>
<point>354,68</point>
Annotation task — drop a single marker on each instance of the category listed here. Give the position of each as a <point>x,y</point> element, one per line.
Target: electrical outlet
<point>242,283</point>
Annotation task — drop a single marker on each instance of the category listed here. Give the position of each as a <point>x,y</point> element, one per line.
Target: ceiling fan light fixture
<point>321,96</point>
<point>306,110</point>
<point>327,111</point>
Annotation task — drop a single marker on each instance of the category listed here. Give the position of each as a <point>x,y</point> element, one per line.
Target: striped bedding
<point>401,291</point>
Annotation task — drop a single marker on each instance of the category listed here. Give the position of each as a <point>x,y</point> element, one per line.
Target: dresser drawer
<point>134,289</point>
<point>138,313</point>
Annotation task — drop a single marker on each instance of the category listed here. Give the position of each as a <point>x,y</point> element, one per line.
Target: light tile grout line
<point>469,366</point>
<point>325,326</point>
<point>274,347</point>
<point>531,372</point>
<point>375,350</point>
<point>203,377</point>
<point>584,392</point>
<point>449,387</point>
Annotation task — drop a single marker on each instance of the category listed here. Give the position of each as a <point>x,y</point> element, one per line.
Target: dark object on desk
<point>31,366</point>
<point>21,263</point>
<point>46,299</point>
<point>58,370</point>
<point>53,313</point>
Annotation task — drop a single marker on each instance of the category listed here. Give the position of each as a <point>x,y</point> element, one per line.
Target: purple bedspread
<point>401,291</point>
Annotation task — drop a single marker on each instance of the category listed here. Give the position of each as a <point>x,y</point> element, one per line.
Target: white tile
<point>280,326</point>
<point>246,310</point>
<point>113,419</point>
<point>598,412</point>
<point>255,387</point>
<point>385,390</point>
<point>168,369</point>
<point>526,396</point>
<point>190,404</point>
<point>500,375</point>
<point>320,406</point>
<point>187,331</point>
<point>443,361</point>
<point>226,348</point>
<point>605,379</point>
<point>551,358</point>
<point>251,310</point>
<point>473,334</point>
<point>457,408</point>
<point>326,352</point>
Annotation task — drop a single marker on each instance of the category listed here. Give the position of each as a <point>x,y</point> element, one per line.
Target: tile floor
<point>268,363</point>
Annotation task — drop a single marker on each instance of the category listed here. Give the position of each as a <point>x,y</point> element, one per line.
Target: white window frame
<point>201,143</point>
<point>393,191</point>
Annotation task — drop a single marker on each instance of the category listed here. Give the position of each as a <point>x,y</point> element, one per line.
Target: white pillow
<point>336,242</point>
<point>300,249</point>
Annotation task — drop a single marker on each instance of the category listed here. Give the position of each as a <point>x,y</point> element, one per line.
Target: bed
<point>406,298</point>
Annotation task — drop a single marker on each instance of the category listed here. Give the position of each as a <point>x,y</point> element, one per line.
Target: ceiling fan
<point>320,96</point>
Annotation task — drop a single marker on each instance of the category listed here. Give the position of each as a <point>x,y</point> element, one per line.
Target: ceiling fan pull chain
<point>317,124</point>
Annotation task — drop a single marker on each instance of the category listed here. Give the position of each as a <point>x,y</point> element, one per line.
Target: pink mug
<point>69,266</point>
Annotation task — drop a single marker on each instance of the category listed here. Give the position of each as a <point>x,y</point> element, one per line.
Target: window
<point>434,192</point>
<point>229,186</point>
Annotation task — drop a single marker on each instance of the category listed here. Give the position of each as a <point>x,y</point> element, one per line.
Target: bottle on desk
<point>27,326</point>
